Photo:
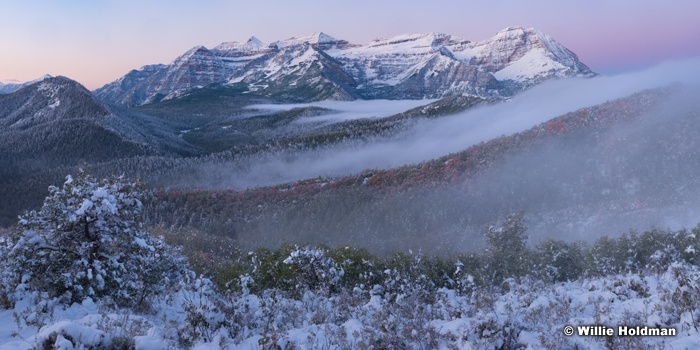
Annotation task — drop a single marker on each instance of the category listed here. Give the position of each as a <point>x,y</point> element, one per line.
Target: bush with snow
<point>87,242</point>
<point>312,269</point>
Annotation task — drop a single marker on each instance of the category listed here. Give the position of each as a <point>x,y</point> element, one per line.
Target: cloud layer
<point>433,138</point>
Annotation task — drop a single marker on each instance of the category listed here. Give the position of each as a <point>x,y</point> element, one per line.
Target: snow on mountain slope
<point>196,68</point>
<point>319,66</point>
<point>237,55</point>
<point>132,88</point>
<point>317,38</point>
<point>60,119</point>
<point>253,44</point>
<point>8,88</point>
<point>524,55</point>
<point>390,61</point>
<point>531,65</point>
<point>297,73</point>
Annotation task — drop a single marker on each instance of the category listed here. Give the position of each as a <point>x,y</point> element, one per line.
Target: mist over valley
<point>383,174</point>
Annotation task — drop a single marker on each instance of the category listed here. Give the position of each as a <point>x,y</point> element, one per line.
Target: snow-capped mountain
<point>297,72</point>
<point>318,66</point>
<point>58,116</point>
<point>523,55</point>
<point>8,88</point>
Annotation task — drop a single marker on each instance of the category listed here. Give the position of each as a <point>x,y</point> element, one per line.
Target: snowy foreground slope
<point>526,314</point>
<point>82,273</point>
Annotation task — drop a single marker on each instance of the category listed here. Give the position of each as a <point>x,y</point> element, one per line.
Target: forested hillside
<point>546,170</point>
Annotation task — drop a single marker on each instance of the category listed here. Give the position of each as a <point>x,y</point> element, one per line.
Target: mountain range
<point>320,67</point>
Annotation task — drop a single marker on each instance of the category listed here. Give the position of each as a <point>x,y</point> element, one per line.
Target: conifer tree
<point>87,241</point>
<point>507,245</point>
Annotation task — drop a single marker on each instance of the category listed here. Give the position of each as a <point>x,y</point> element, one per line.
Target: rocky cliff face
<point>131,89</point>
<point>318,66</point>
<point>196,68</point>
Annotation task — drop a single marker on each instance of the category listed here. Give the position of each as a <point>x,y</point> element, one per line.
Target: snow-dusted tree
<point>87,241</point>
<point>507,247</point>
<point>509,238</point>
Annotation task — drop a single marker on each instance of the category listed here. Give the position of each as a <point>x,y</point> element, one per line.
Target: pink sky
<point>95,42</point>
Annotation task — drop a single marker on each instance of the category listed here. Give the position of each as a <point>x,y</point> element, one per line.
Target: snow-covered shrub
<point>87,241</point>
<point>415,275</point>
<point>205,311</point>
<point>610,256</point>
<point>686,296</point>
<point>630,286</point>
<point>559,261</point>
<point>687,245</point>
<point>360,268</point>
<point>70,335</point>
<point>314,270</point>
<point>462,281</point>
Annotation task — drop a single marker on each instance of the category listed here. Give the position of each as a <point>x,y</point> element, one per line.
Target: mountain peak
<point>252,44</point>
<point>511,29</point>
<point>253,41</point>
<point>519,33</point>
<point>51,99</point>
<point>52,86</point>
<point>196,53</point>
<point>321,37</point>
<point>315,38</point>
<point>526,55</point>
<point>195,50</point>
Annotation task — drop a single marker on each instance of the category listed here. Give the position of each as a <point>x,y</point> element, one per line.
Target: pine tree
<point>87,241</point>
<point>508,238</point>
<point>508,248</point>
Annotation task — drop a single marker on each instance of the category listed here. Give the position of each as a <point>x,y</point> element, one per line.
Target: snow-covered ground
<point>526,313</point>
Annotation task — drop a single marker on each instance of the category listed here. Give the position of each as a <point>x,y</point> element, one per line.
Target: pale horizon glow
<point>96,42</point>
